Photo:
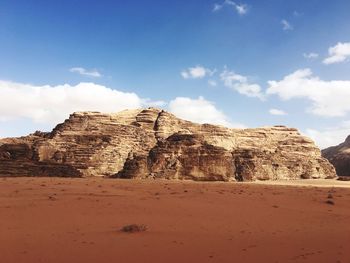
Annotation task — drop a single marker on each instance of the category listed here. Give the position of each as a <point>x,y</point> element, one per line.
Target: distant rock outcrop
<point>339,156</point>
<point>152,143</point>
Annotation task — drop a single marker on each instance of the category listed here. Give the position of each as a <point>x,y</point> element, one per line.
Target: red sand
<point>78,220</point>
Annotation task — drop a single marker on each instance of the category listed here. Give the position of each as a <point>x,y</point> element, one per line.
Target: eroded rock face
<point>152,143</point>
<point>339,156</point>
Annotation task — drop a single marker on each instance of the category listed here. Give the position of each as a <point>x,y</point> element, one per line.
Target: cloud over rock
<point>52,104</point>
<point>328,98</point>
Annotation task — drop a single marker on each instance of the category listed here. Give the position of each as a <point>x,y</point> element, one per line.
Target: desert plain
<point>79,220</point>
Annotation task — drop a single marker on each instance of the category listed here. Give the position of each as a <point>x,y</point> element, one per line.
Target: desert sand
<point>79,220</point>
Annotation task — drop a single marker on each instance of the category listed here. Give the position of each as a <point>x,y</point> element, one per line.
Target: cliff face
<point>339,156</point>
<point>152,143</point>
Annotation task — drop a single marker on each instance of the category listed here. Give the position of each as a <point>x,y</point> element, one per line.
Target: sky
<point>241,64</point>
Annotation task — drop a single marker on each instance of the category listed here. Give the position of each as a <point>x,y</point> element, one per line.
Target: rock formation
<point>152,143</point>
<point>339,156</point>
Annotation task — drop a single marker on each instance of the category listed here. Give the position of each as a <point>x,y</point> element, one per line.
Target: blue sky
<point>208,60</point>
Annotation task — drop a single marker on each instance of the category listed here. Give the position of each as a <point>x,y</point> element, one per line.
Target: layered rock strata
<point>152,143</point>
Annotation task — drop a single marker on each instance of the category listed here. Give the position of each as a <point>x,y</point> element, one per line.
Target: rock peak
<point>347,140</point>
<point>339,156</point>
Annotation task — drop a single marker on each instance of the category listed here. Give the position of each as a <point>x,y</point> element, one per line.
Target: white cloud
<point>201,111</point>
<point>217,7</point>
<point>311,55</point>
<point>330,136</point>
<point>277,112</point>
<point>212,83</point>
<point>328,98</point>
<point>91,73</point>
<point>53,104</point>
<point>197,72</point>
<point>286,26</point>
<point>241,9</point>
<point>296,14</point>
<point>338,53</point>
<point>241,84</point>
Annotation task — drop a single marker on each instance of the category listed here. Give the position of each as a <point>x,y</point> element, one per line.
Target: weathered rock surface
<point>339,156</point>
<point>151,143</point>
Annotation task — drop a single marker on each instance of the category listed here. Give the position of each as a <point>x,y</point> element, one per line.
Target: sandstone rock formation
<point>339,156</point>
<point>152,143</point>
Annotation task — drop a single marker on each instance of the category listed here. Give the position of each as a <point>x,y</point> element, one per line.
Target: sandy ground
<point>308,182</point>
<point>78,220</point>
